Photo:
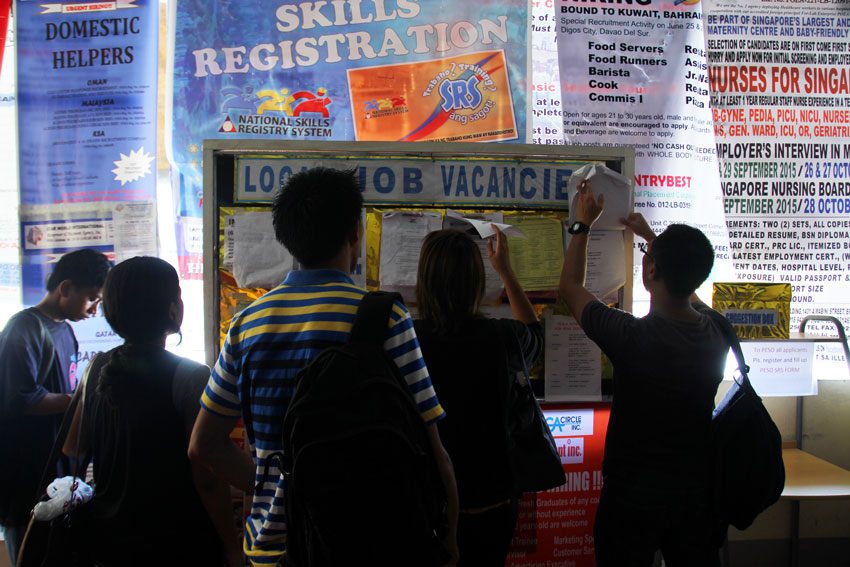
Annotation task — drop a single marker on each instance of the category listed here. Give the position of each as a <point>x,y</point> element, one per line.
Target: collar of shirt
<point>315,277</point>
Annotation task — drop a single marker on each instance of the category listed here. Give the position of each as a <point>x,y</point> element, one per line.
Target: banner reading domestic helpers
<point>636,75</point>
<point>87,100</point>
<point>86,78</point>
<point>390,70</point>
<point>780,82</point>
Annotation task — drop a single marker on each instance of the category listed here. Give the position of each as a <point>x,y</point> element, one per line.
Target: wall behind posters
<point>545,122</point>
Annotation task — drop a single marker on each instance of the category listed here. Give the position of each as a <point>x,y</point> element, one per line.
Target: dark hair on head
<point>683,258</point>
<point>315,212</point>
<point>450,279</point>
<point>137,298</point>
<point>85,268</point>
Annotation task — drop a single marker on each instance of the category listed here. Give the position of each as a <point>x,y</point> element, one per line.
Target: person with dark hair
<point>472,361</point>
<point>317,217</point>
<point>38,367</point>
<point>151,506</point>
<point>656,492</point>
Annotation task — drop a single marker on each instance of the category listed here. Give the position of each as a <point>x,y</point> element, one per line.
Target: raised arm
<point>573,272</point>
<point>500,259</point>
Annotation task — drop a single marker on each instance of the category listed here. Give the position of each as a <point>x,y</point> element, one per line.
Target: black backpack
<point>749,474</point>
<point>360,481</point>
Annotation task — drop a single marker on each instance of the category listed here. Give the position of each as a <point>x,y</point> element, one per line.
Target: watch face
<point>577,227</point>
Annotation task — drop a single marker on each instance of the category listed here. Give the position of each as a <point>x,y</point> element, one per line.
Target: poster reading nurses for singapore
<point>345,71</point>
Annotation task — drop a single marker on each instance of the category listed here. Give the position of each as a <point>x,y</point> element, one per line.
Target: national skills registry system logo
<point>276,112</point>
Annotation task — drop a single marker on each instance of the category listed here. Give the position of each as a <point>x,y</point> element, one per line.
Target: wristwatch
<point>578,227</point>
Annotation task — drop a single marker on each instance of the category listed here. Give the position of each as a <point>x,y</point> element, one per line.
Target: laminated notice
<point>756,310</point>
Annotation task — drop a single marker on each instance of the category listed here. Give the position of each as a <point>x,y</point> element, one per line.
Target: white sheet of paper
<point>483,225</point>
<point>606,270</point>
<point>573,362</point>
<point>604,181</point>
<point>259,260</point>
<point>227,254</point>
<point>778,368</point>
<point>402,233</point>
<point>134,229</point>
<point>493,285</point>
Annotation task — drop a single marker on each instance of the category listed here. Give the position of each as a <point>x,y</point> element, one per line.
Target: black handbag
<point>62,541</point>
<point>533,454</point>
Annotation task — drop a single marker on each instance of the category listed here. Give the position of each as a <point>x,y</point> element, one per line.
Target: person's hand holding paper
<point>615,189</point>
<point>484,228</point>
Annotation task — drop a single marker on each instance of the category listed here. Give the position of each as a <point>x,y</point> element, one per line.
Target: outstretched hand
<point>637,224</point>
<point>588,206</point>
<point>498,253</point>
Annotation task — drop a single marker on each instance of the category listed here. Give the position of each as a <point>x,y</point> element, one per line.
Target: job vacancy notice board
<point>414,188</point>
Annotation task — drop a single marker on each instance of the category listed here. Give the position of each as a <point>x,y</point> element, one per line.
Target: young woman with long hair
<point>472,361</point>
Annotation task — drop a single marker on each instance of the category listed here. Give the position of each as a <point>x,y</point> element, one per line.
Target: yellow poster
<point>464,98</point>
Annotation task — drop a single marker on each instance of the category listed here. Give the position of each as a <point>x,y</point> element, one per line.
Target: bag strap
<point>85,382</point>
<point>524,367</point>
<point>48,348</point>
<point>53,458</point>
<point>370,323</point>
<point>734,344</point>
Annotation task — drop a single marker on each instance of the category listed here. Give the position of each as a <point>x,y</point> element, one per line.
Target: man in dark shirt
<point>38,364</point>
<point>667,367</point>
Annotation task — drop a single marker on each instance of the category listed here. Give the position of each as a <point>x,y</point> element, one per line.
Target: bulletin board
<point>431,184</point>
<point>526,186</point>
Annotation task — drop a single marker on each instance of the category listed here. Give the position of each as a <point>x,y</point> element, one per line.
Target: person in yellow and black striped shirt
<point>317,217</point>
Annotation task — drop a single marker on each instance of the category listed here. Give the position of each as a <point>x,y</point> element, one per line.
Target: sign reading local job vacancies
<point>637,75</point>
<point>506,180</point>
<point>780,82</point>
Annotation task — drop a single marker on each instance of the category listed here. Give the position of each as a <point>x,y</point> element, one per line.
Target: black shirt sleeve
<point>20,357</point>
<point>610,328</point>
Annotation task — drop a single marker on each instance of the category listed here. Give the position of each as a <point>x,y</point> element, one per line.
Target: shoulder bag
<point>533,454</point>
<point>749,473</point>
<point>62,541</point>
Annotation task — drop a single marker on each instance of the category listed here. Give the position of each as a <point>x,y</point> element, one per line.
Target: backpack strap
<point>370,323</point>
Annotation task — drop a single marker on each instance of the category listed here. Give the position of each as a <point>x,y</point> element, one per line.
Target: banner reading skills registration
<point>388,70</point>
